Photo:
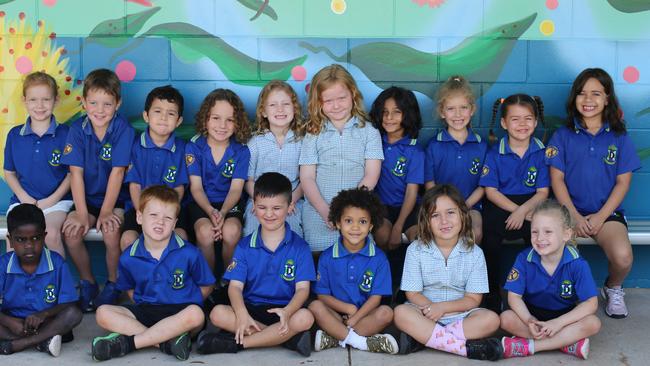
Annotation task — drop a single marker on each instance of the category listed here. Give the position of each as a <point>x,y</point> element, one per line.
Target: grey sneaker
<point>615,302</point>
<point>324,341</point>
<point>384,343</point>
<point>51,346</point>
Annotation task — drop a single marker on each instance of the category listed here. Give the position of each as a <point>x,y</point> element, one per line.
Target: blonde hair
<point>428,207</point>
<point>263,124</point>
<point>551,206</point>
<point>40,78</point>
<point>455,85</point>
<point>325,78</point>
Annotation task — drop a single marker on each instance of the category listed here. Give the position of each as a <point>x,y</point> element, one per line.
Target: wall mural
<point>501,46</point>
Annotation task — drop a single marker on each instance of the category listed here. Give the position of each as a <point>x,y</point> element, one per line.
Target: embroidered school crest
<point>170,176</point>
<point>50,294</point>
<point>67,149</point>
<point>476,163</point>
<point>531,176</point>
<point>612,151</point>
<point>485,171</point>
<point>189,159</point>
<point>366,281</point>
<point>231,266</point>
<point>551,152</point>
<point>289,273</point>
<point>566,289</point>
<point>55,158</point>
<point>229,168</point>
<point>178,279</point>
<point>106,152</point>
<point>400,167</point>
<point>513,275</point>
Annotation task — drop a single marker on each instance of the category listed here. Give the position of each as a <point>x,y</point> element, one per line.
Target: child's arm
<point>614,200</point>
<point>553,326</point>
<point>249,186</point>
<point>561,192</point>
<point>295,196</point>
<point>15,325</point>
<point>475,197</point>
<point>57,195</point>
<point>206,291</point>
<point>14,184</point>
<point>371,304</point>
<point>500,200</point>
<point>435,311</point>
<point>201,199</point>
<point>517,305</point>
<point>107,219</point>
<point>233,196</point>
<point>408,205</point>
<point>523,212</point>
<point>34,321</point>
<point>338,305</point>
<point>134,192</point>
<point>298,299</point>
<point>372,170</point>
<point>79,198</point>
<point>308,182</point>
<point>244,321</point>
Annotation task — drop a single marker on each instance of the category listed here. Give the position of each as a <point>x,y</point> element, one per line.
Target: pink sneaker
<point>515,347</point>
<point>579,349</point>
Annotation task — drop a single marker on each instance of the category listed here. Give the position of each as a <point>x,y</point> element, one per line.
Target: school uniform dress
<point>340,162</point>
<point>550,296</point>
<point>268,156</point>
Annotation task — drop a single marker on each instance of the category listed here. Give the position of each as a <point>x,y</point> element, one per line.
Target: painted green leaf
<point>184,131</point>
<point>124,28</point>
<point>261,7</point>
<point>2,2</point>
<point>191,43</point>
<point>481,56</point>
<point>630,6</point>
<point>643,112</point>
<point>643,153</point>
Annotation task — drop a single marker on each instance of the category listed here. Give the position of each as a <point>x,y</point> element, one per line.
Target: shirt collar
<point>271,137</point>
<point>569,254</point>
<point>534,145</point>
<point>27,127</point>
<point>87,126</point>
<point>368,250</point>
<point>403,141</point>
<point>139,250</point>
<point>44,265</point>
<point>460,247</point>
<point>352,122</point>
<point>444,136</point>
<point>578,127</point>
<point>256,237</point>
<point>147,142</point>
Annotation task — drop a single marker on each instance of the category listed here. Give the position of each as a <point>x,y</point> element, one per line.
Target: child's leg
<point>231,232</point>
<point>53,223</point>
<point>570,334</point>
<point>478,324</point>
<point>382,234</point>
<point>375,322</point>
<point>205,240</point>
<point>613,238</point>
<point>113,252</point>
<point>511,323</point>
<point>477,225</point>
<point>77,250</point>
<point>182,233</point>
<point>411,233</point>
<point>410,320</point>
<point>128,237</point>
<point>329,320</point>
<point>60,324</point>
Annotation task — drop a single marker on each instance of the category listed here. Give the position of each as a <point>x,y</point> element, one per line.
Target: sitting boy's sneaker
<point>384,343</point>
<point>300,343</point>
<point>515,347</point>
<point>52,346</point>
<point>67,337</point>
<point>216,343</point>
<point>614,302</point>
<point>579,349</point>
<point>408,345</point>
<point>110,346</point>
<point>87,293</point>
<point>324,341</point>
<point>488,349</point>
<point>5,348</point>
<point>108,296</point>
<point>178,347</point>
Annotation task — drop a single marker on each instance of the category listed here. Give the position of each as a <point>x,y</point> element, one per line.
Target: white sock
<point>531,346</point>
<point>356,341</point>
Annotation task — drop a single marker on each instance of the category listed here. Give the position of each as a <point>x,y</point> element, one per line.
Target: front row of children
<point>551,293</point>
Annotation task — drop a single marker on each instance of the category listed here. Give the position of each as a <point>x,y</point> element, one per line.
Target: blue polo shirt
<point>153,165</point>
<point>174,279</point>
<point>36,160</point>
<point>591,163</point>
<point>449,162</point>
<point>510,174</point>
<point>270,278</point>
<point>403,164</point>
<point>570,284</point>
<point>97,158</point>
<point>353,277</point>
<point>25,294</point>
<point>216,177</point>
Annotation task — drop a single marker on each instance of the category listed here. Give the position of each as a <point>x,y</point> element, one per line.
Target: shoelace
<point>616,295</point>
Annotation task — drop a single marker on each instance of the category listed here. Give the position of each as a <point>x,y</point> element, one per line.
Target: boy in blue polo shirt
<point>157,157</point>
<point>269,281</point>
<point>551,293</point>
<point>353,275</point>
<point>165,276</point>
<point>38,296</point>
<point>98,150</point>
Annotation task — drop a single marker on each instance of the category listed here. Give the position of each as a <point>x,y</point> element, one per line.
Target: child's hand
<point>245,327</point>
<point>395,239</point>
<point>16,326</point>
<point>44,203</point>
<point>33,322</point>
<point>108,222</point>
<point>351,321</point>
<point>292,208</point>
<point>432,311</point>
<point>535,329</point>
<point>76,225</point>
<point>550,328</point>
<point>596,222</point>
<point>284,322</point>
<point>583,226</point>
<point>516,219</point>
<point>351,310</point>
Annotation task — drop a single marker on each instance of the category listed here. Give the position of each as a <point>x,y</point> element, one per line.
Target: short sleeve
<point>123,142</point>
<point>490,173</point>
<point>9,157</point>
<point>252,163</point>
<point>182,177</point>
<point>201,273</point>
<point>133,172</point>
<point>516,280</point>
<point>73,153</point>
<point>67,290</point>
<point>429,174</point>
<point>238,268</point>
<point>193,159</point>
<point>543,178</point>
<point>477,282</point>
<point>555,154</point>
<point>305,271</point>
<point>415,173</point>
<point>322,286</point>
<point>125,280</point>
<point>412,273</point>
<point>628,161</point>
<point>241,167</point>
<point>382,284</point>
<point>374,150</point>
<point>585,286</point>
<point>309,151</point>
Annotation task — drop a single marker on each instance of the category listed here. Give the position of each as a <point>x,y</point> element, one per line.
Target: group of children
<point>360,176</point>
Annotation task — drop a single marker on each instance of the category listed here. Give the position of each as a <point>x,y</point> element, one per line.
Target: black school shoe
<point>5,348</point>
<point>110,346</point>
<point>300,343</point>
<point>51,346</point>
<point>179,347</point>
<point>221,342</point>
<point>408,345</point>
<point>487,349</point>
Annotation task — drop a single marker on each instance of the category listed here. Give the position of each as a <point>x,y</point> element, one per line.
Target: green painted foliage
<point>2,2</point>
<point>126,27</point>
<point>261,7</point>
<point>643,112</point>
<point>630,6</point>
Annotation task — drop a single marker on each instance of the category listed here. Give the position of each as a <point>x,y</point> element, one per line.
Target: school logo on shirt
<point>551,152</point>
<point>229,168</point>
<point>170,176</point>
<point>612,151</point>
<point>366,281</point>
<point>67,149</point>
<point>231,266</point>
<point>106,152</point>
<point>55,158</point>
<point>513,275</point>
<point>400,167</point>
<point>476,163</point>
<point>531,176</point>
<point>566,289</point>
<point>178,279</point>
<point>50,294</point>
<point>189,159</point>
<point>289,270</point>
<point>486,171</point>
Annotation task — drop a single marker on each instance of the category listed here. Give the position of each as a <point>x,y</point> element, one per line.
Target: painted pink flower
<point>431,3</point>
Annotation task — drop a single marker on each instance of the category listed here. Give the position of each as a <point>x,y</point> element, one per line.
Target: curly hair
<point>406,102</point>
<point>428,207</point>
<point>454,86</point>
<point>242,126</point>
<point>263,125</point>
<point>325,78</point>
<point>360,198</point>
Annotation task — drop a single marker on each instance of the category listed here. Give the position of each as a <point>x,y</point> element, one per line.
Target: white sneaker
<point>52,346</point>
<point>615,302</point>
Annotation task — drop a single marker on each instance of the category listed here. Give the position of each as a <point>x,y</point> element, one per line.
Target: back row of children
<point>339,151</point>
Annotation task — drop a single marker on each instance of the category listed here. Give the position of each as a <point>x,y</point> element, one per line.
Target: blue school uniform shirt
<point>403,164</point>
<point>25,294</point>
<point>570,284</point>
<point>448,162</point>
<point>36,160</point>
<point>591,163</point>
<point>216,177</point>
<point>175,278</point>
<point>97,158</point>
<point>510,174</point>
<point>353,277</point>
<point>154,165</point>
<point>270,278</point>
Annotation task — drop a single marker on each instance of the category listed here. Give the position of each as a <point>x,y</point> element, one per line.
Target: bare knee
<point>231,234</point>
<point>103,316</point>
<point>71,316</point>
<point>317,307</point>
<point>219,313</point>
<point>384,314</point>
<point>301,320</point>
<point>204,235</point>
<point>401,315</point>
<point>194,316</point>
<point>128,238</point>
<point>591,324</point>
<point>491,320</point>
<point>509,320</point>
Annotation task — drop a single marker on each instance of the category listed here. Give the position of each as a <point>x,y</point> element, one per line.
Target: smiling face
<point>271,212</point>
<point>337,103</point>
<point>457,112</point>
<point>445,221</point>
<point>354,225</point>
<point>548,234</point>
<point>162,118</point>
<point>591,100</point>
<point>39,101</point>
<point>520,122</point>
<point>100,107</point>
<point>278,109</point>
<point>391,119</point>
<point>158,220</point>
<point>221,121</point>
<point>27,242</point>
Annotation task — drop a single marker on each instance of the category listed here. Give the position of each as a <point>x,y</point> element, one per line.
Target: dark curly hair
<point>242,126</point>
<point>360,198</point>
<point>406,102</point>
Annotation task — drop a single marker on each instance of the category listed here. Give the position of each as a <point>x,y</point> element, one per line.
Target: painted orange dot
<point>21,15</point>
<point>78,98</point>
<point>52,35</point>
<point>44,53</point>
<point>11,51</point>
<point>28,45</point>
<point>68,78</point>
<point>2,68</point>
<point>5,110</point>
<point>12,30</point>
<point>2,14</point>
<point>67,92</point>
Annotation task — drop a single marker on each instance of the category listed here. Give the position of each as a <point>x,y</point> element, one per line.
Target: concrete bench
<point>639,233</point>
<point>93,235</point>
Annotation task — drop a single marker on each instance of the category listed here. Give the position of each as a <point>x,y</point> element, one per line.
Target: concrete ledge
<point>639,234</point>
<point>93,234</point>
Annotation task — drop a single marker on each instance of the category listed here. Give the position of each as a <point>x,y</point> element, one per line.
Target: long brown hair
<point>242,127</point>
<point>429,201</point>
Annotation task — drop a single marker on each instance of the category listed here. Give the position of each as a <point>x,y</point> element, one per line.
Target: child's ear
<point>119,103</point>
<point>503,123</point>
<point>83,102</point>
<point>567,235</point>
<point>180,120</point>
<point>145,116</point>
<point>138,217</point>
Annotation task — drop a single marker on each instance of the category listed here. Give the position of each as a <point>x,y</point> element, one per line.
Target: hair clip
<point>501,100</point>
<point>456,79</point>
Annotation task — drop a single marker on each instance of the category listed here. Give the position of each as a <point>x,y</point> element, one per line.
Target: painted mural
<point>501,46</point>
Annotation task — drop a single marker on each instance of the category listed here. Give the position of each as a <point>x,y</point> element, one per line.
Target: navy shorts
<point>195,212</point>
<point>546,314</point>
<point>392,213</point>
<point>150,314</point>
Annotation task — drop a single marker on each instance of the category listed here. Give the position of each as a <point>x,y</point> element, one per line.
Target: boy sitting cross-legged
<point>166,277</point>
<point>269,281</point>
